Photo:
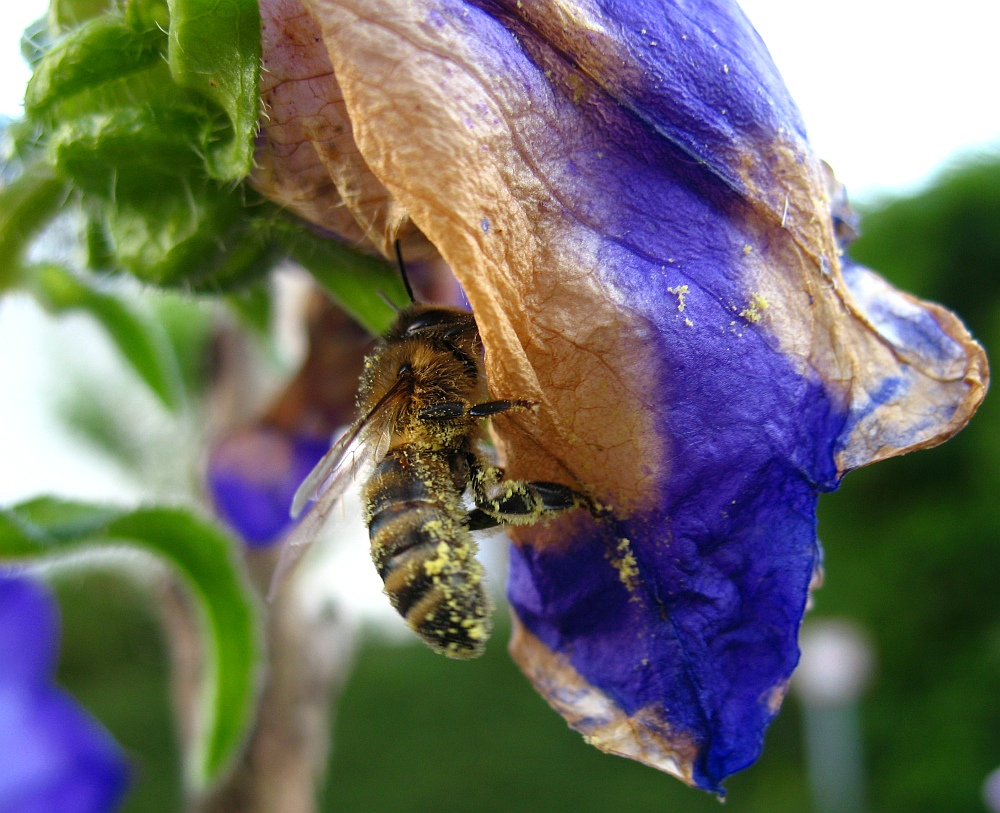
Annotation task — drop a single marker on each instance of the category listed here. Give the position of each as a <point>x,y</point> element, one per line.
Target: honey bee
<point>422,402</point>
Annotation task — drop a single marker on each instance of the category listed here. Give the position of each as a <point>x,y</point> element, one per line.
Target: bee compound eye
<point>405,369</point>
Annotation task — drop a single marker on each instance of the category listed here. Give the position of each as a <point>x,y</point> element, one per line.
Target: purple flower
<point>53,756</point>
<point>253,476</point>
<point>626,193</point>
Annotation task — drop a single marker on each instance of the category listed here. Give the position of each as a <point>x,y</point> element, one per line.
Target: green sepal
<point>105,151</point>
<point>137,339</point>
<point>146,15</point>
<point>168,230</point>
<point>353,279</point>
<point>215,50</point>
<point>204,557</point>
<point>101,51</point>
<point>64,15</point>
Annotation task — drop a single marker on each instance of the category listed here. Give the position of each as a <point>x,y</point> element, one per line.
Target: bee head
<point>435,324</point>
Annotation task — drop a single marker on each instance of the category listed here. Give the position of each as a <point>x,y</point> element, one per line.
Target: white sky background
<point>890,91</point>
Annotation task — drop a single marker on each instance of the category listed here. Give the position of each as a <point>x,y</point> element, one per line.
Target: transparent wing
<point>352,462</point>
<point>343,451</point>
<point>351,458</point>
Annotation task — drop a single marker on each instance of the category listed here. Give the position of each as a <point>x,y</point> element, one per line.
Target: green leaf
<point>253,306</point>
<point>152,146</point>
<point>204,557</point>
<point>145,15</point>
<point>101,51</point>
<point>172,231</point>
<point>215,50</point>
<point>138,340</point>
<point>26,207</point>
<point>353,279</point>
<point>190,327</point>
<point>249,254</point>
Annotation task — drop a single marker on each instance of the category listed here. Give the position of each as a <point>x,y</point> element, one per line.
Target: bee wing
<point>340,453</point>
<point>356,458</point>
<point>350,458</point>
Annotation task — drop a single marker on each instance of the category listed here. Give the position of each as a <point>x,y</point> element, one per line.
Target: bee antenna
<point>402,271</point>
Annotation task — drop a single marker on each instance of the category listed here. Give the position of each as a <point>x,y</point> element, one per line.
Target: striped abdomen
<point>423,550</point>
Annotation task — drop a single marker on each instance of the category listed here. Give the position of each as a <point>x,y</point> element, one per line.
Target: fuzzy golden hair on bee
<point>422,401</point>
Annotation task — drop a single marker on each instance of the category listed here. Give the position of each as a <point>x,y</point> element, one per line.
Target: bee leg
<point>487,408</point>
<point>522,502</point>
<point>450,410</point>
<point>445,411</point>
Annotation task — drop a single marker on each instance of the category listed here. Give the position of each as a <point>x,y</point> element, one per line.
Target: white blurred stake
<point>991,792</point>
<point>834,669</point>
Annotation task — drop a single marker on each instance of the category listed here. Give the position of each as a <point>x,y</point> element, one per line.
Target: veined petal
<point>307,159</point>
<point>625,192</point>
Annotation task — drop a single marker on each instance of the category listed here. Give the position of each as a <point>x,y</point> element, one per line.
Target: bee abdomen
<point>427,561</point>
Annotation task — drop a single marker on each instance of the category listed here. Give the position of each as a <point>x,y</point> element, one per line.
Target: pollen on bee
<point>437,565</point>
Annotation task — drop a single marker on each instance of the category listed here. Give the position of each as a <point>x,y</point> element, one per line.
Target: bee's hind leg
<point>518,502</point>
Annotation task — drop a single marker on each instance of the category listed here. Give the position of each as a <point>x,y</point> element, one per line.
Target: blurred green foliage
<point>416,733</point>
<point>204,560</point>
<point>912,556</point>
<point>114,660</point>
<point>139,129</point>
<point>913,544</point>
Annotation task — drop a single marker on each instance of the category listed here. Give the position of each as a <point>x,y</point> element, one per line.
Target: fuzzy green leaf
<point>203,556</point>
<point>64,15</point>
<point>101,51</point>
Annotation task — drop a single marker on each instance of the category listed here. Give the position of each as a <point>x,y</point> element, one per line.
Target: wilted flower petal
<point>55,757</point>
<point>626,194</point>
<point>308,160</point>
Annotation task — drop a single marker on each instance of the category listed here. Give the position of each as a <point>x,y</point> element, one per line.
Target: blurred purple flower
<point>253,475</point>
<point>625,190</point>
<point>53,756</point>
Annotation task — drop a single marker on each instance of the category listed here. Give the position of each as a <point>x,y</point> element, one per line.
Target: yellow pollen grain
<point>755,310</point>
<point>681,292</point>
<point>435,566</point>
<point>626,565</point>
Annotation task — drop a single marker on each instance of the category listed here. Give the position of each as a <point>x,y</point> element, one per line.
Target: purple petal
<point>55,756</point>
<point>253,476</point>
<point>625,192</point>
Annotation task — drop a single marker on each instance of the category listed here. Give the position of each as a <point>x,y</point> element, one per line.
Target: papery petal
<point>55,756</point>
<point>307,159</point>
<point>625,192</point>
